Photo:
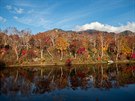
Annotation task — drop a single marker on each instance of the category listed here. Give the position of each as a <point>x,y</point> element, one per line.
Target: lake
<point>101,82</point>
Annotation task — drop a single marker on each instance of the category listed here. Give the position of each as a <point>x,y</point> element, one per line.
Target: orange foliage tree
<point>61,45</point>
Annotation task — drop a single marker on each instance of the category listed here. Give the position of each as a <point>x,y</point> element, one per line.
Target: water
<point>114,82</point>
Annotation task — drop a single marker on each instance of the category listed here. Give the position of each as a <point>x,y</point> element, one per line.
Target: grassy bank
<point>42,65</point>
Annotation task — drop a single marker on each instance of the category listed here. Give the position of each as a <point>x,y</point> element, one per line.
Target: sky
<point>77,15</point>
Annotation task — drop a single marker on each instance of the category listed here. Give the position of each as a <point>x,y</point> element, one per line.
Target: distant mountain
<point>89,31</point>
<point>127,32</point>
<point>56,30</point>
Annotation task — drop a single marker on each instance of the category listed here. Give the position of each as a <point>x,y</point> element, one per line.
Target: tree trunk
<point>118,50</point>
<point>49,53</point>
<point>117,56</point>
<point>94,44</point>
<point>2,55</point>
<point>52,41</point>
<point>16,52</point>
<point>61,56</point>
<point>41,52</point>
<point>118,47</point>
<point>75,55</point>
<point>102,52</point>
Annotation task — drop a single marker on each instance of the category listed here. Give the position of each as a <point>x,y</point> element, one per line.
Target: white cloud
<point>14,9</point>
<point>105,27</point>
<point>8,7</point>
<point>2,20</point>
<point>15,17</point>
<point>33,21</point>
<point>18,10</point>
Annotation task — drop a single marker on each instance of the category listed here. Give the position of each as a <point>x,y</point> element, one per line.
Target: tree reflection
<point>27,81</point>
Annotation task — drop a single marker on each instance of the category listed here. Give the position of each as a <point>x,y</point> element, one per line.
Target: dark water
<point>114,82</point>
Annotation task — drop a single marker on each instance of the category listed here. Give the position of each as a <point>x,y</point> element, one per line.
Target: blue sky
<point>42,15</point>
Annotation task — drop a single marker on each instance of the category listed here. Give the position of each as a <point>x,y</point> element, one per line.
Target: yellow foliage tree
<point>61,45</point>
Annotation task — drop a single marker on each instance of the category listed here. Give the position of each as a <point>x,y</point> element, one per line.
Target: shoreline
<point>63,64</point>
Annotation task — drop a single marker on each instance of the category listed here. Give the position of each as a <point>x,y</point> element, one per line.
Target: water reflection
<point>34,81</point>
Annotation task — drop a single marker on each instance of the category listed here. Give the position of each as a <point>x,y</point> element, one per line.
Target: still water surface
<point>114,82</point>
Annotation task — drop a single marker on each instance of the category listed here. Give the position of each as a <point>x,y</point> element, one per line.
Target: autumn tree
<point>93,45</point>
<point>101,38</point>
<point>131,43</point>
<point>61,45</point>
<point>14,40</point>
<point>16,45</point>
<point>121,45</point>
<point>74,46</point>
<point>48,45</point>
<point>25,36</point>
<point>53,36</point>
<point>31,42</point>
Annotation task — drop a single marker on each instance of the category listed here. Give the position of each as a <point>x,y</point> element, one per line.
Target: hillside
<point>62,47</point>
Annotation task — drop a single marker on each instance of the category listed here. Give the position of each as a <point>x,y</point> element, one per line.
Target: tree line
<point>59,46</point>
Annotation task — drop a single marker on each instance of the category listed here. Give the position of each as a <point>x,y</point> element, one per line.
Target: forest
<point>56,46</point>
